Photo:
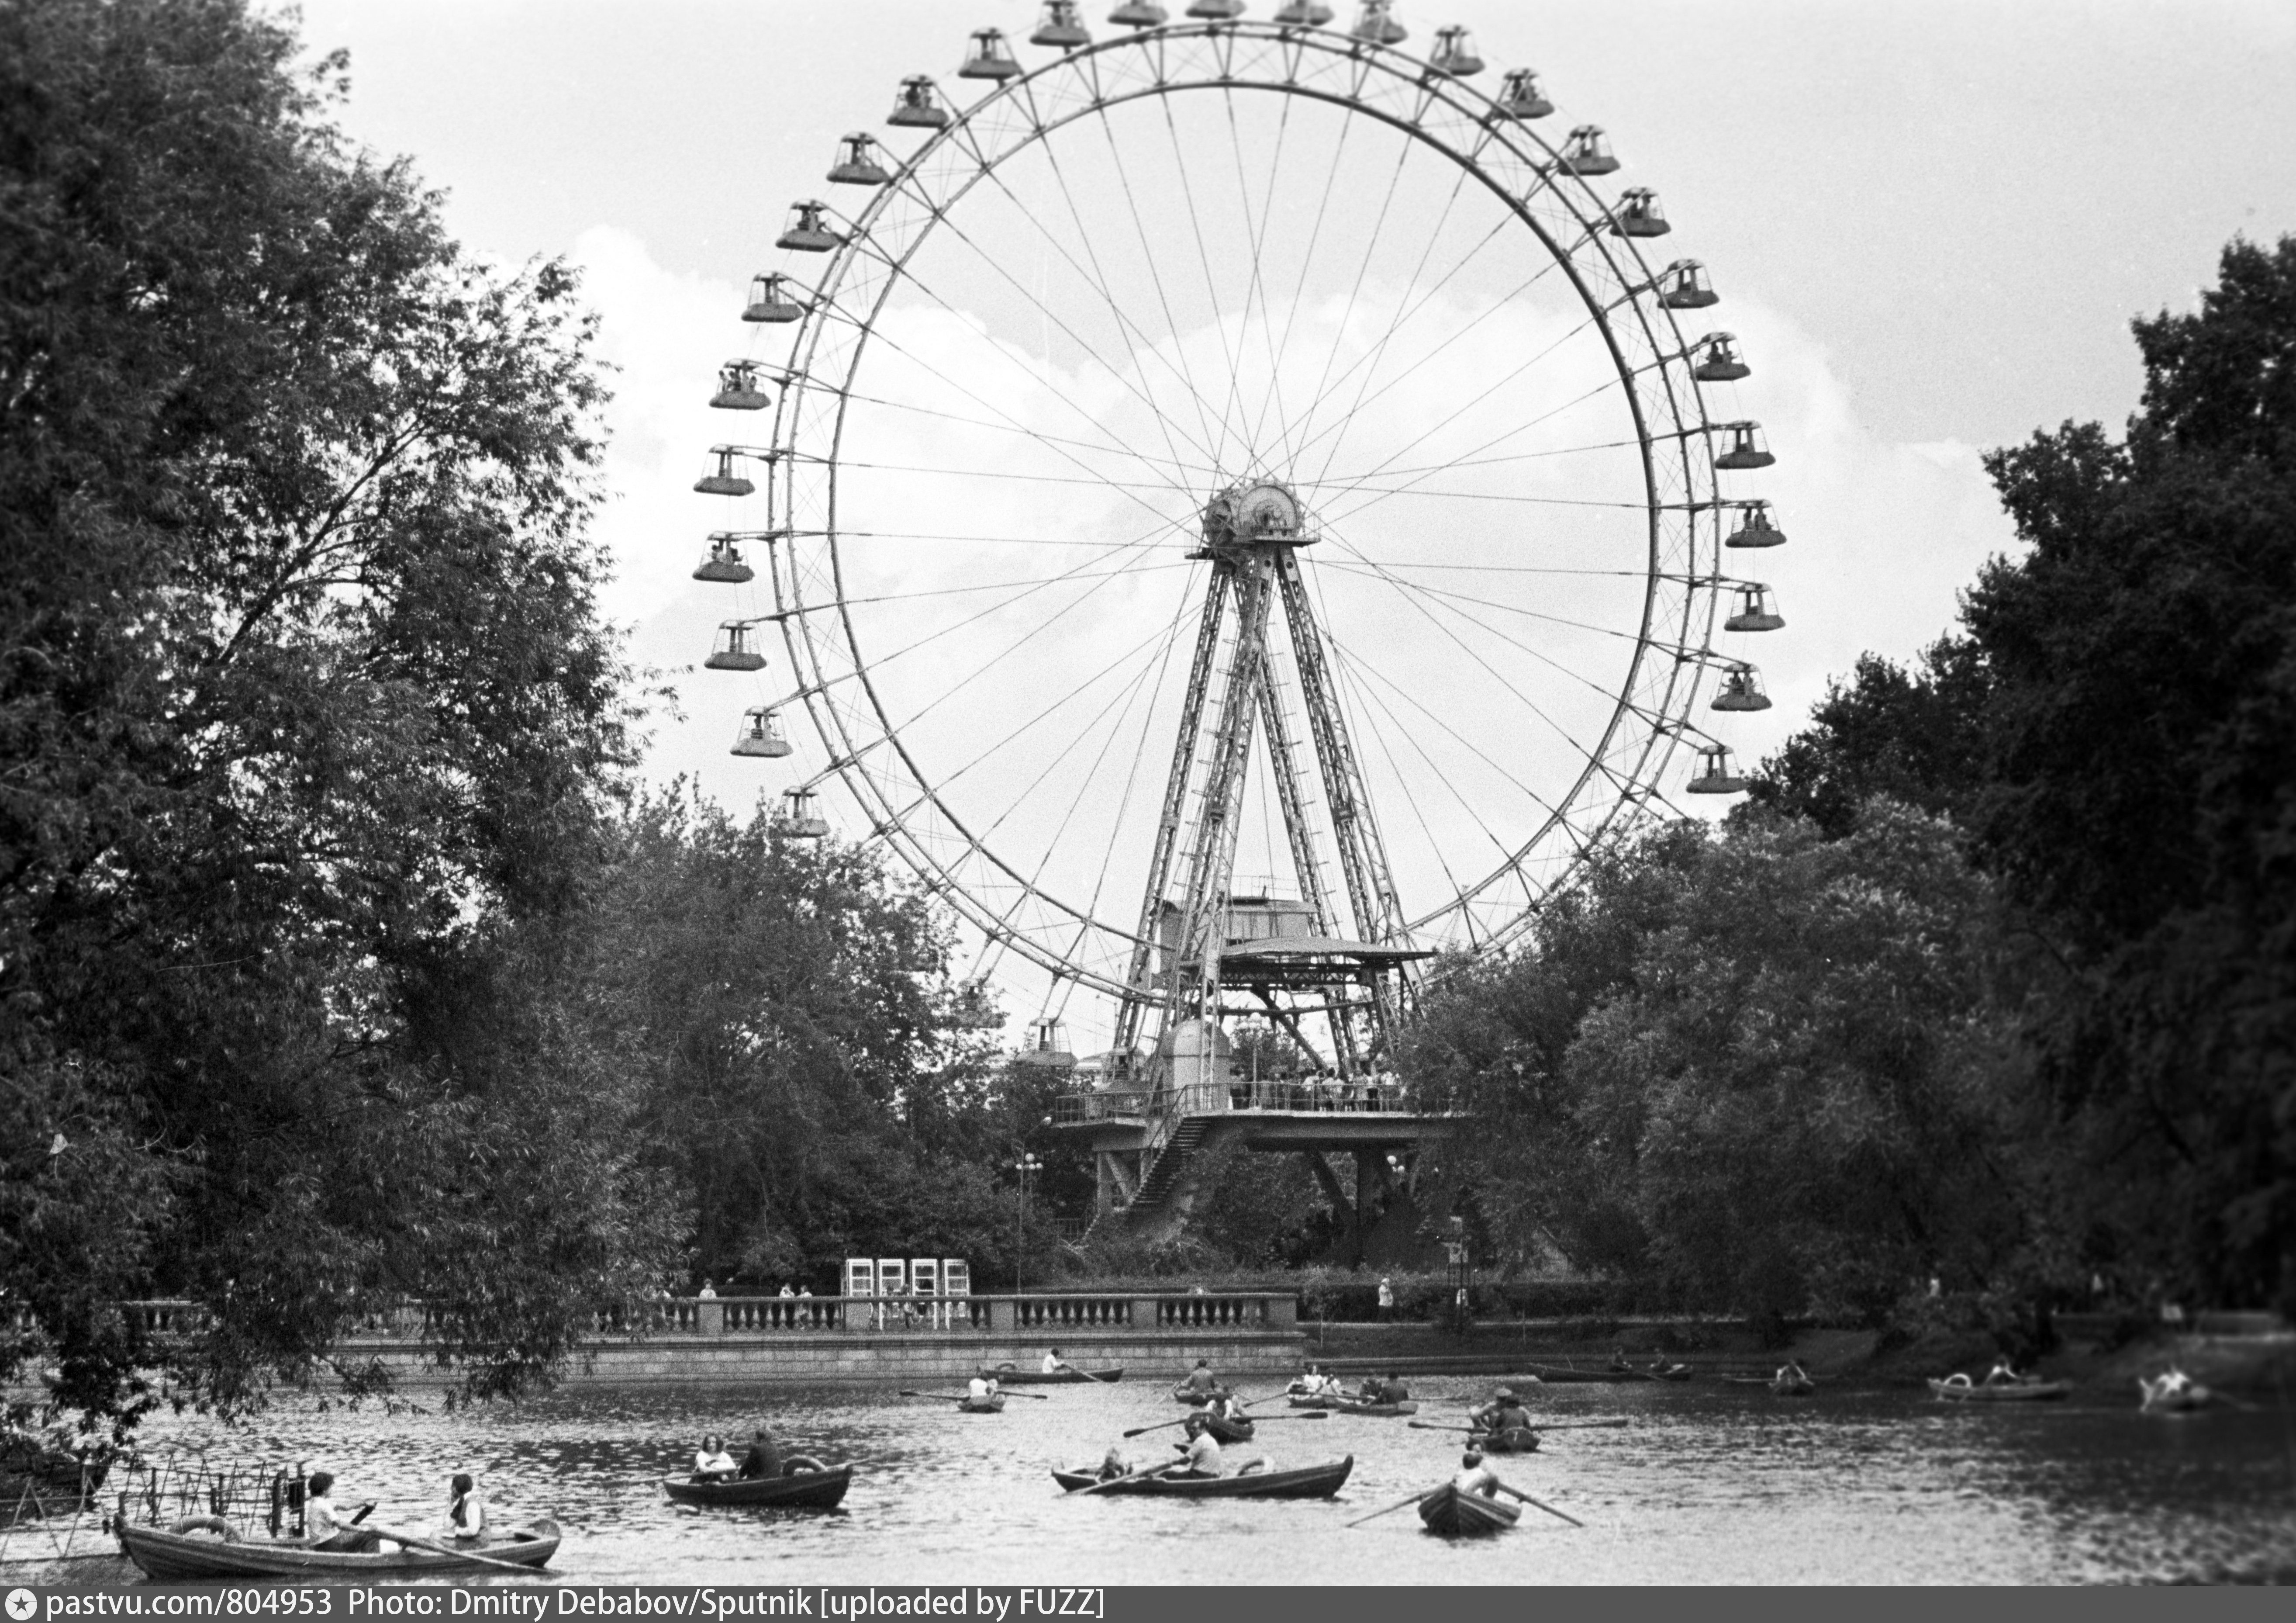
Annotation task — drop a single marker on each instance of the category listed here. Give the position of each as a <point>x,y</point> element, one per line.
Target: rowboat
<point>1774,1386</point>
<point>1553,1374</point>
<point>809,1490</point>
<point>981,1405</point>
<point>1310,1482</point>
<point>1229,1430</point>
<point>163,1554</point>
<point>1456,1515</point>
<point>1515,1439</point>
<point>2164,1397</point>
<point>1961,1389</point>
<point>1182,1393</point>
<point>1355,1405</point>
<point>1006,1375</point>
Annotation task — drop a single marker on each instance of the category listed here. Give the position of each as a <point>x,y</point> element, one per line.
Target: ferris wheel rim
<point>1666,724</point>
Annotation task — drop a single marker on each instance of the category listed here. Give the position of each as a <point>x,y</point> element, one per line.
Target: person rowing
<point>763,1460</point>
<point>980,1388</point>
<point>1053,1364</point>
<point>1503,1414</point>
<point>2004,1374</point>
<point>1200,1382</point>
<point>1475,1476</point>
<point>1228,1407</point>
<point>1315,1383</point>
<point>1203,1448</point>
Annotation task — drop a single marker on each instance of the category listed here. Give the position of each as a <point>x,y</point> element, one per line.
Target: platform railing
<point>1357,1097</point>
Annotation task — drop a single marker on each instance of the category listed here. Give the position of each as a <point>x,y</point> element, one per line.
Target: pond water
<point>1705,1485</point>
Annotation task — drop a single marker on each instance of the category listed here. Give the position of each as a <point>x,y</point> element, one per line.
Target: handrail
<point>1357,1097</point>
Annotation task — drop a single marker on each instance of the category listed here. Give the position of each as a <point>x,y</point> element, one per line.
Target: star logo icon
<point>23,1605</point>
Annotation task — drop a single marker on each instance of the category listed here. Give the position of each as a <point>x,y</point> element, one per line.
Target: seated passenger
<point>1112,1464</point>
<point>1053,1364</point>
<point>980,1390</point>
<point>466,1513</point>
<point>712,1464</point>
<point>327,1527</point>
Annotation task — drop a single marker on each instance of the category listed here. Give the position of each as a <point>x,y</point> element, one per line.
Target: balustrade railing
<point>1047,1315</point>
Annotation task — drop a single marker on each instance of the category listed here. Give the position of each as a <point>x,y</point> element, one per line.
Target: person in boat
<point>325,1527</point>
<point>1792,1374</point>
<point>1203,1448</point>
<point>1503,1414</point>
<point>466,1513</point>
<point>1228,1407</point>
<point>763,1460</point>
<point>982,1387</point>
<point>1112,1464</point>
<point>1053,1364</point>
<point>1475,1475</point>
<point>2002,1374</point>
<point>1201,1380</point>
<point>1392,1391</point>
<point>712,1463</point>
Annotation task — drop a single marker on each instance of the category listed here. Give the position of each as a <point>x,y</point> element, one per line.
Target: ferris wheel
<point>1236,457</point>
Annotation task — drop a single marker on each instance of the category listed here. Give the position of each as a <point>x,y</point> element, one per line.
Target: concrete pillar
<point>709,1318</point>
<point>1144,1313</point>
<point>1003,1317</point>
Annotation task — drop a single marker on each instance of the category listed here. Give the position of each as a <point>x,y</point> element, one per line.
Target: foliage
<point>308,726</point>
<point>1913,737</point>
<point>1760,1073</point>
<point>2142,785</point>
<point>813,1072</point>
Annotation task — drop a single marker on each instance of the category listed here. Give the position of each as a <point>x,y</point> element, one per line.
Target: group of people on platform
<point>1324,1090</point>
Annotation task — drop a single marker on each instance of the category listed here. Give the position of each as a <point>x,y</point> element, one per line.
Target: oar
<point>1474,1431</point>
<point>1541,1503</point>
<point>1152,1470</point>
<point>413,1542</point>
<point>959,1397</point>
<point>1269,1420</point>
<point>1398,1505</point>
<point>1539,1425</point>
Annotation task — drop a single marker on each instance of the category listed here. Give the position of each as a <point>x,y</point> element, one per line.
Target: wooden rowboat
<point>809,1490</point>
<point>1557,1375</point>
<point>2163,1397</point>
<point>1456,1515</point>
<point>1774,1386</point>
<point>1182,1393</point>
<point>981,1405</point>
<point>1961,1389</point>
<point>1356,1406</point>
<point>163,1554</point>
<point>1515,1439</point>
<point>1228,1431</point>
<point>1008,1375</point>
<point>1310,1482</point>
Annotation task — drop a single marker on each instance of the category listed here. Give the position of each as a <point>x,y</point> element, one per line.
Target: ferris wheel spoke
<point>1019,597</point>
<point>1232,402</point>
<point>1139,341</point>
<point>1176,462</point>
<point>1059,614</point>
<point>1414,595</point>
<point>1077,411</point>
<point>1274,390</point>
<point>1344,662</point>
<point>1474,457</point>
<point>1355,291</point>
<point>1156,278</point>
<point>1393,325</point>
<point>1408,372</point>
<point>1307,262</point>
<point>1376,571</point>
<point>1138,392</point>
<point>1426,298</point>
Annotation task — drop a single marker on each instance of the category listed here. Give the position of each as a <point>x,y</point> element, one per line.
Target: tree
<point>2141,782</point>
<point>308,728</point>
<point>1913,737</point>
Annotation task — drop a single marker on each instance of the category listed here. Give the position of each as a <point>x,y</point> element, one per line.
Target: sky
<point>1931,226</point>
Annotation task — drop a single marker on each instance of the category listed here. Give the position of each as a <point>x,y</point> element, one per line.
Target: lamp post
<point>1027,1164</point>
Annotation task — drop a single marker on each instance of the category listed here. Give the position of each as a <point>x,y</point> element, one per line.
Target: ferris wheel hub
<point>1253,513</point>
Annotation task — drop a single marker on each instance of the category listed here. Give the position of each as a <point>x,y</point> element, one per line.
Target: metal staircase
<point>1171,1162</point>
